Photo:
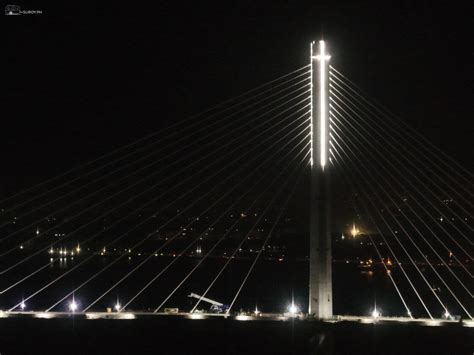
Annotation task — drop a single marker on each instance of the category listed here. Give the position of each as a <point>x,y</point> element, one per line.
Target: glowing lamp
<point>293,309</point>
<point>73,306</point>
<point>375,313</point>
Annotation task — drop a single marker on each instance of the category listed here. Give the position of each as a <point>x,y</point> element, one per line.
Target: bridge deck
<point>238,317</point>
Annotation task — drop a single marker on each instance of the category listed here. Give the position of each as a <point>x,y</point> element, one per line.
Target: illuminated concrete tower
<point>320,267</point>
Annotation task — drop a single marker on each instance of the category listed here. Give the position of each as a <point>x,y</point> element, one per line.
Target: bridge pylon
<point>320,259</point>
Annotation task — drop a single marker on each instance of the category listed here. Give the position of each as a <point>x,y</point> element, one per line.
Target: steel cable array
<point>400,188</point>
<point>184,165</point>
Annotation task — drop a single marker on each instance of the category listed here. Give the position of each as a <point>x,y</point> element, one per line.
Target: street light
<point>376,313</point>
<point>73,305</point>
<point>293,309</point>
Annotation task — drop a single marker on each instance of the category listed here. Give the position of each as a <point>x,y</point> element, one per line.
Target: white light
<point>126,316</point>
<point>117,306</point>
<point>22,305</point>
<point>312,112</point>
<point>196,316</point>
<point>293,309</point>
<point>94,315</point>
<point>323,110</point>
<point>354,231</point>
<point>44,315</point>
<point>447,315</point>
<point>73,306</point>
<point>375,313</point>
<point>468,323</point>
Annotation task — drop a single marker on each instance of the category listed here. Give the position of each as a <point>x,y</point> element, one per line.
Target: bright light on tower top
<point>323,108</point>
<point>322,57</point>
<point>322,52</point>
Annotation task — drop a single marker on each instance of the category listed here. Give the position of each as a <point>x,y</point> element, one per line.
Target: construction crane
<point>215,306</point>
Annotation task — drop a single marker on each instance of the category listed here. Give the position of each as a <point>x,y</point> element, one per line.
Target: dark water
<point>219,336</point>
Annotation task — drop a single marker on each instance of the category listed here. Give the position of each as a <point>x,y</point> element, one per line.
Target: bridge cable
<point>409,172</point>
<point>416,245</point>
<point>142,139</point>
<point>402,138</point>
<point>239,246</point>
<point>191,177</point>
<point>305,148</point>
<point>403,176</point>
<point>389,115</point>
<point>139,243</point>
<point>96,274</point>
<point>131,272</point>
<point>399,263</point>
<point>403,147</point>
<point>388,271</point>
<point>262,248</point>
<point>368,152</point>
<point>396,238</point>
<point>255,127</point>
<point>202,138</point>
<point>136,161</point>
<point>110,264</point>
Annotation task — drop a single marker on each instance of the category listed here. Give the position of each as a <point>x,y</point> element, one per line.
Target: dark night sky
<point>82,79</point>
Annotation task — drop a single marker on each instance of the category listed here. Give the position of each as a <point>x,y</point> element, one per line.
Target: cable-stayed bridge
<point>263,206</point>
